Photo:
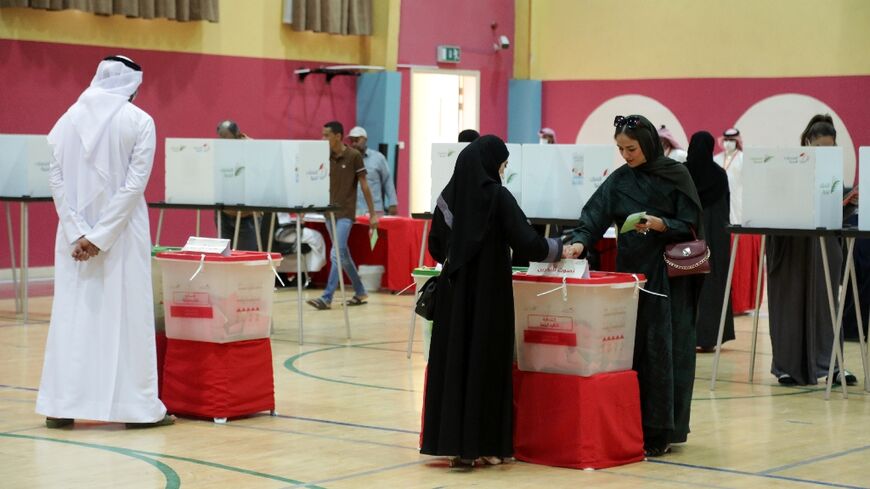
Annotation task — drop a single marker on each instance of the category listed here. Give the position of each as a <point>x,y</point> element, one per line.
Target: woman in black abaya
<point>469,397</point>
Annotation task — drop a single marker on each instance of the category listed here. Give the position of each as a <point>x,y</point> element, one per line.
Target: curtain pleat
<point>180,10</point>
<point>346,17</point>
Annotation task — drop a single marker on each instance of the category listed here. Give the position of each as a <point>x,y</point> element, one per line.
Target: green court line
<point>290,364</point>
<point>172,479</point>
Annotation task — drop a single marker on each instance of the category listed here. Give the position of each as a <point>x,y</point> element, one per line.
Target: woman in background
<point>712,184</point>
<point>801,331</point>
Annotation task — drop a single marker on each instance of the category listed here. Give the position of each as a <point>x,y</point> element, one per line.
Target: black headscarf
<point>470,198</point>
<point>710,178</point>
<point>660,165</point>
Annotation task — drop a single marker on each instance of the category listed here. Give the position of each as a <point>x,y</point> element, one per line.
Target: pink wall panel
<point>186,94</point>
<point>707,104</point>
<point>426,24</point>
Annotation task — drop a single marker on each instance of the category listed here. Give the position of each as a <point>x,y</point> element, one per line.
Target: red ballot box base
<point>218,380</point>
<point>577,422</point>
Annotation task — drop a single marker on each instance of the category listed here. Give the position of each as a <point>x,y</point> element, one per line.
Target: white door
<point>443,103</point>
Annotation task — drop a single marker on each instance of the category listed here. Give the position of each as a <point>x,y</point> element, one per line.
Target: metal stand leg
<point>726,303</point>
<point>423,244</point>
<point>838,352</point>
<point>838,323</point>
<point>547,231</point>
<point>412,326</point>
<point>298,267</point>
<point>859,320</point>
<point>12,260</point>
<point>25,273</point>
<point>257,231</point>
<point>220,223</point>
<point>159,228</point>
<point>236,233</point>
<point>198,221</point>
<point>762,259</point>
<point>272,233</point>
<point>340,270</point>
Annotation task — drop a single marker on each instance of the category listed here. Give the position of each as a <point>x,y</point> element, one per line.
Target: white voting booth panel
<point>190,171</point>
<point>560,178</point>
<point>864,184</point>
<point>793,188</point>
<point>275,173</point>
<point>444,157</point>
<point>24,165</point>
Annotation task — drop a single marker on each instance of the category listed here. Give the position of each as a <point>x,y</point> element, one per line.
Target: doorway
<point>443,102</point>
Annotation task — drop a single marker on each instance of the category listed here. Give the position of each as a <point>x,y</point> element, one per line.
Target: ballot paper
<point>632,221</point>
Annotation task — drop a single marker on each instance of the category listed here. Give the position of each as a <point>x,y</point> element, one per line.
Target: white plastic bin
<point>420,276</point>
<point>157,287</point>
<point>371,276</point>
<point>588,330</point>
<point>229,299</point>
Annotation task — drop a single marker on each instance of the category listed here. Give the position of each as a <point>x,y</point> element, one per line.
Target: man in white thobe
<point>100,356</point>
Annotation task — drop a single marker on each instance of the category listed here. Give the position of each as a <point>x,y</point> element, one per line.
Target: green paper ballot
<point>631,221</point>
<point>373,237</point>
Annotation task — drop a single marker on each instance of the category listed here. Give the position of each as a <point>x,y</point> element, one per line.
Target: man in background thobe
<point>100,356</point>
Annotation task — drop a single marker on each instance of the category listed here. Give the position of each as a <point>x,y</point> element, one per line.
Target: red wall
<point>426,24</point>
<point>186,94</point>
<point>707,104</point>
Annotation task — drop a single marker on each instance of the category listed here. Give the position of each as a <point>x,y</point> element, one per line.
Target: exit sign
<point>449,54</point>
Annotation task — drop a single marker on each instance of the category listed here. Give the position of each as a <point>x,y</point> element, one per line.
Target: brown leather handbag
<point>688,257</point>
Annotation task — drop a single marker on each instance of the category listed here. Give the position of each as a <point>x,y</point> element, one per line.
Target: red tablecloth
<point>606,248</point>
<point>397,249</point>
<point>218,380</point>
<point>745,273</point>
<point>577,422</point>
<point>160,340</point>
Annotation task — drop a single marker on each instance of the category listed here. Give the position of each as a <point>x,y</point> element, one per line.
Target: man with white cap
<point>100,356</point>
<point>378,175</point>
<point>732,161</point>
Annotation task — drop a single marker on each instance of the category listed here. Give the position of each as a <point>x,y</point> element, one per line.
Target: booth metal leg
<point>236,233</point>
<point>159,227</point>
<point>838,352</point>
<point>761,266</point>
<point>198,221</point>
<point>340,270</point>
<point>300,301</point>
<point>725,304</point>
<point>25,272</point>
<point>12,260</point>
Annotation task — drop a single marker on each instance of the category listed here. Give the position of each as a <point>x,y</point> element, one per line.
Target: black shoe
<point>850,378</point>
<point>786,379</point>
<point>656,451</point>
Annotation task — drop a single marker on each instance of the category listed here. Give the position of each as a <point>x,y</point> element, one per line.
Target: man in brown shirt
<point>346,169</point>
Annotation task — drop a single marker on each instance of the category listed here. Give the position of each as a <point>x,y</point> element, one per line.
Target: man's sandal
<point>319,304</point>
<point>357,300</point>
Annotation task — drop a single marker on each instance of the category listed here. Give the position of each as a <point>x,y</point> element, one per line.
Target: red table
<point>577,422</point>
<point>397,249</point>
<point>218,380</point>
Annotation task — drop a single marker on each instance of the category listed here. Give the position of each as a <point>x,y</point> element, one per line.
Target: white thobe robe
<point>733,169</point>
<point>100,356</point>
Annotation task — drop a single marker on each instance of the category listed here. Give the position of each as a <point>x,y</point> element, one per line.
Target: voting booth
<point>444,157</point>
<point>560,178</point>
<point>864,183</point>
<point>24,165</point>
<point>267,173</point>
<point>793,188</point>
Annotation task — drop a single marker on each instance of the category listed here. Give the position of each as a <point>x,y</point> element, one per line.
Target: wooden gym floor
<point>349,414</point>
